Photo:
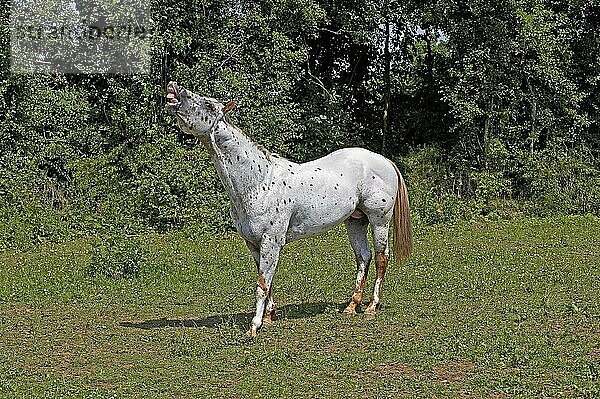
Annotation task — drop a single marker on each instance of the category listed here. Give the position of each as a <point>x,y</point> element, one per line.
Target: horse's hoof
<point>350,309</point>
<point>267,321</point>
<point>371,310</point>
<point>251,332</point>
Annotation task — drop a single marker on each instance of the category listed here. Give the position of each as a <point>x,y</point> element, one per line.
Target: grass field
<point>495,310</point>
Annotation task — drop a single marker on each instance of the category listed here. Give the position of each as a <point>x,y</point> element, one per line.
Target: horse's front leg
<point>270,307</point>
<point>269,255</point>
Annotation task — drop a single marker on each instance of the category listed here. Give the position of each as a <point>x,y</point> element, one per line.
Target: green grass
<point>500,310</point>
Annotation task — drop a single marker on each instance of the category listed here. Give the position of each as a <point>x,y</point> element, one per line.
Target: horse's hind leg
<point>380,242</point>
<point>269,309</point>
<point>357,234</point>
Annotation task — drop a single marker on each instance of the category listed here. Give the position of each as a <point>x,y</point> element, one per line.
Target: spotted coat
<point>275,201</point>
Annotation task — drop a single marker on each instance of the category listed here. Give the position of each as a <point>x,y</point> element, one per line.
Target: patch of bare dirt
<point>106,385</point>
<point>396,369</point>
<point>454,372</point>
<point>388,370</point>
<point>17,311</point>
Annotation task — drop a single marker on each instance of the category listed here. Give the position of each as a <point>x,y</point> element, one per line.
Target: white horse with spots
<point>275,201</point>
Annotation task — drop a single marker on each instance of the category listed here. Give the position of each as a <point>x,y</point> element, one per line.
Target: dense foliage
<point>487,106</point>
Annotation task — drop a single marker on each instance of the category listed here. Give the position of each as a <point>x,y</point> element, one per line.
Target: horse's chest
<point>252,222</point>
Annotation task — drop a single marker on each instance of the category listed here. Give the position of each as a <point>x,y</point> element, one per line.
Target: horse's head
<point>196,115</point>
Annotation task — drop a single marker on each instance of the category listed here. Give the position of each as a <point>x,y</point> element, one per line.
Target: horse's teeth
<point>171,95</point>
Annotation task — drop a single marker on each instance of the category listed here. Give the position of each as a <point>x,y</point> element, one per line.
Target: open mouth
<point>172,95</point>
<point>173,105</point>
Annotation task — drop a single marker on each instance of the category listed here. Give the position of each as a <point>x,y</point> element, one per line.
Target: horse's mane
<point>267,153</point>
<point>261,148</point>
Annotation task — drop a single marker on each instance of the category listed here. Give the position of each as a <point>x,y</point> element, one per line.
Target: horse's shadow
<point>239,320</point>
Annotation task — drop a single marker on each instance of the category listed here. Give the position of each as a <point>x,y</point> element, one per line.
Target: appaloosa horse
<point>275,201</point>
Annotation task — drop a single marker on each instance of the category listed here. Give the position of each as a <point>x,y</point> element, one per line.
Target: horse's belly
<point>313,221</point>
<point>303,231</point>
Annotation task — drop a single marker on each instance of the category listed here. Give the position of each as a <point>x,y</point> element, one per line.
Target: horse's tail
<point>403,240</point>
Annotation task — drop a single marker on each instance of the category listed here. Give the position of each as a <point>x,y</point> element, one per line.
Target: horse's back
<point>358,162</point>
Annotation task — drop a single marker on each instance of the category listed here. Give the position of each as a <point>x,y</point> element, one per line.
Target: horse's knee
<point>366,256</point>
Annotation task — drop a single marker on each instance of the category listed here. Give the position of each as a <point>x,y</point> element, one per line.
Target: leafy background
<point>492,110</point>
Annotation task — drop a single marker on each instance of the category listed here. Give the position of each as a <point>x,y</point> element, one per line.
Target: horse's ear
<point>229,106</point>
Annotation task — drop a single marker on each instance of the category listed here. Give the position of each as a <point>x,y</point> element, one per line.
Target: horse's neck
<point>241,165</point>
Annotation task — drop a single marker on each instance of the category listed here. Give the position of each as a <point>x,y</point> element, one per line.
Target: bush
<point>27,217</point>
<point>433,188</point>
<point>23,228</point>
<point>556,179</point>
<point>117,257</point>
<point>159,186</point>
<point>562,179</point>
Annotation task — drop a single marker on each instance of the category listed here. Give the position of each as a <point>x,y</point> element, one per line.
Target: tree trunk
<point>387,87</point>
